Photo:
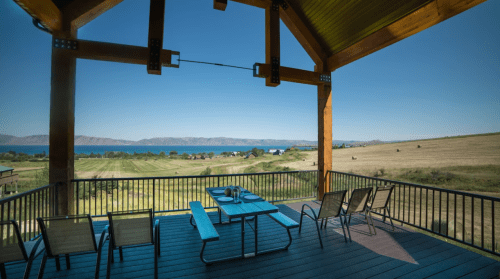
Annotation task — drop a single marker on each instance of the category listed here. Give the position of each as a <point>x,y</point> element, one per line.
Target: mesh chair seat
<point>331,207</point>
<point>65,235</point>
<point>380,202</point>
<point>358,204</point>
<point>132,228</point>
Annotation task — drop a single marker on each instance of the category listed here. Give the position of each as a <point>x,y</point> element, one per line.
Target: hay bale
<point>354,157</point>
<point>419,146</point>
<point>304,159</point>
<point>398,150</point>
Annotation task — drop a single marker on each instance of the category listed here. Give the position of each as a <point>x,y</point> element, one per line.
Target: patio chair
<point>330,207</point>
<point>70,235</point>
<point>357,204</point>
<point>381,201</point>
<point>14,251</point>
<point>128,229</point>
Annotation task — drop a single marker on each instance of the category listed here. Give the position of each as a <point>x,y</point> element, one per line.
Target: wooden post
<point>273,43</point>
<point>324,135</point>
<point>62,122</point>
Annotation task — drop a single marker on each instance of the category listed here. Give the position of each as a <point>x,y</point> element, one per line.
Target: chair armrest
<point>316,202</point>
<point>305,204</point>
<point>104,236</point>
<point>35,247</point>
<point>156,230</point>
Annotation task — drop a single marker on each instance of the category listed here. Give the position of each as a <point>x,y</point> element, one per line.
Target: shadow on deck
<point>399,254</point>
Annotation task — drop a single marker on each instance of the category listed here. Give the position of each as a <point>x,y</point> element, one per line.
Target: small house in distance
<point>251,155</point>
<point>234,153</point>
<point>279,152</point>
<point>272,150</point>
<point>7,177</point>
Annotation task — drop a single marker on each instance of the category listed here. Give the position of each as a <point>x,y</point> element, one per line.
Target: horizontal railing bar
<point>190,176</point>
<point>423,186</point>
<point>27,193</point>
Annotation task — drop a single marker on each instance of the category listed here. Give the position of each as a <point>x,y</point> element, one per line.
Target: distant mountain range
<point>84,140</point>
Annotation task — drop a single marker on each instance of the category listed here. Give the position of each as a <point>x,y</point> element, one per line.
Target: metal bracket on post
<point>284,5</point>
<point>325,78</point>
<point>275,70</point>
<point>255,69</point>
<point>275,5</point>
<point>154,55</point>
<point>65,44</point>
<point>178,60</point>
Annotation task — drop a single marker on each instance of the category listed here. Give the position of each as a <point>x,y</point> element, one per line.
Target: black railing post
<point>154,194</point>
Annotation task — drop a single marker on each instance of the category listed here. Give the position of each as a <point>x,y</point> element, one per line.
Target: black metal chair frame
<point>364,210</point>
<point>386,208</point>
<point>48,252</point>
<point>28,259</point>
<point>155,239</point>
<point>315,217</point>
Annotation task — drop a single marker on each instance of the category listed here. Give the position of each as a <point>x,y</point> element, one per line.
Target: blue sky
<point>443,81</point>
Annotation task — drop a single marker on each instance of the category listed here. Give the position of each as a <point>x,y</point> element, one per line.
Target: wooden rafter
<point>425,17</point>
<point>273,43</point>
<point>220,5</point>
<point>155,37</point>
<point>119,53</point>
<point>82,12</point>
<point>45,11</point>
<point>302,33</point>
<point>293,75</point>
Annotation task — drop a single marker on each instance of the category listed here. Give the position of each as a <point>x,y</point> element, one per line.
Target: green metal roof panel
<point>4,169</point>
<point>340,23</point>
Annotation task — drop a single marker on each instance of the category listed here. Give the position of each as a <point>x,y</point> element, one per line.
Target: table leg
<point>243,237</point>
<point>220,216</point>
<point>256,233</point>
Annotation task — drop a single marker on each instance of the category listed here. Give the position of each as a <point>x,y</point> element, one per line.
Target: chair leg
<point>343,230</point>
<point>121,254</point>
<point>326,222</point>
<point>110,260</point>
<point>319,234</point>
<point>156,260</point>
<point>321,226</point>
<point>2,271</point>
<point>347,226</point>
<point>368,223</point>
<point>390,218</point>
<point>98,264</point>
<point>58,263</point>
<point>300,224</point>
<point>68,264</point>
<point>42,266</point>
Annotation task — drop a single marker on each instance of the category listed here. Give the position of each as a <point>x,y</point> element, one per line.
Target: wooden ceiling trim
<point>45,11</point>
<point>425,17</point>
<point>84,11</point>
<point>296,25</point>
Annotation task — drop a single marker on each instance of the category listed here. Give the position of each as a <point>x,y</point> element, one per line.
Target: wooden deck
<point>399,254</point>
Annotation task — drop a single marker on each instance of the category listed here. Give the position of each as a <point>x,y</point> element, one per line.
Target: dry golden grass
<point>437,153</point>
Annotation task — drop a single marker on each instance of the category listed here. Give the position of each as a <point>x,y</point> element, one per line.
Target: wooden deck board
<point>181,244</point>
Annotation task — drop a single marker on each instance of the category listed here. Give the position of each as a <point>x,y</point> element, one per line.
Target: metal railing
<point>26,207</point>
<point>167,194</point>
<point>464,217</point>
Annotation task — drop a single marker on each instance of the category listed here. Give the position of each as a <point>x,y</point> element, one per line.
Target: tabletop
<point>244,208</point>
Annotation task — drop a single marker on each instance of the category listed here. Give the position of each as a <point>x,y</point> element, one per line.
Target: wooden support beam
<point>220,5</point>
<point>45,11</point>
<point>264,4</point>
<point>425,17</point>
<point>119,53</point>
<point>294,75</point>
<point>155,37</point>
<point>81,12</point>
<point>273,43</point>
<point>296,24</point>
<point>62,123</point>
<point>324,134</point>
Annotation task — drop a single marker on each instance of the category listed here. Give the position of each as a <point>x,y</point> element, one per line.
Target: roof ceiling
<point>339,24</point>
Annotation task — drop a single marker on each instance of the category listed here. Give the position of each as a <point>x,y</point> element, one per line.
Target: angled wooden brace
<point>220,5</point>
